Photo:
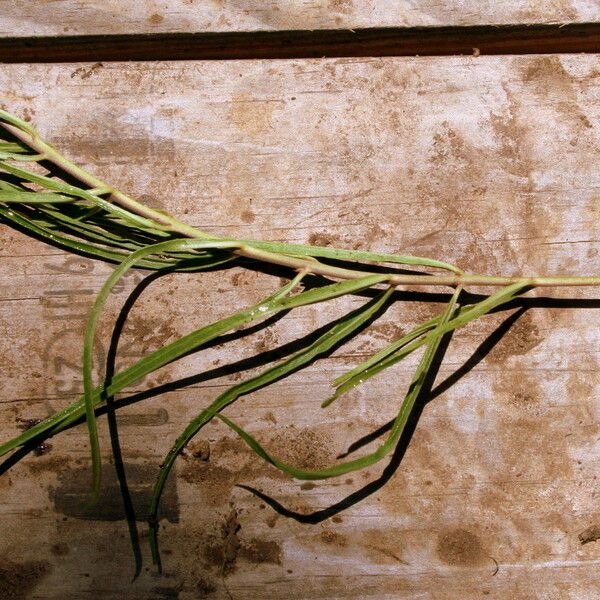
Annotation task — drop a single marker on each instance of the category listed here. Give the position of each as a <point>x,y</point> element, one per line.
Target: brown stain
<point>268,340</point>
<point>520,339</point>
<point>5,481</point>
<point>60,549</point>
<point>383,547</point>
<point>550,81</point>
<point>448,145</point>
<point>579,387</point>
<point>386,331</point>
<point>512,137</point>
<point>271,520</point>
<point>307,485</point>
<point>341,6</point>
<point>141,335</point>
<point>116,144</point>
<point>460,547</point>
<point>531,433</point>
<point>547,74</point>
<point>155,19</point>
<point>590,534</point>
<point>422,457</point>
<point>474,255</point>
<point>231,463</point>
<point>259,551</point>
<point>153,201</point>
<point>86,72</point>
<point>269,416</point>
<point>243,278</point>
<point>224,551</point>
<point>332,538</point>
<point>231,542</point>
<point>205,587</point>
<point>247,216</point>
<point>321,239</point>
<point>199,449</point>
<point>423,311</point>
<point>71,496</point>
<point>518,391</point>
<point>251,115</point>
<point>52,464</point>
<point>28,114</point>
<point>307,448</point>
<point>561,11</point>
<point>456,172</point>
<point>19,580</point>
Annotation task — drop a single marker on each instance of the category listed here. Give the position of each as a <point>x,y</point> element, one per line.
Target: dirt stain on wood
<point>460,547</point>
<point>591,534</point>
<point>18,580</point>
<point>250,115</point>
<point>522,337</point>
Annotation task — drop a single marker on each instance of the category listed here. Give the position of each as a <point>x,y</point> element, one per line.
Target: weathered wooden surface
<point>488,162</point>
<point>60,17</point>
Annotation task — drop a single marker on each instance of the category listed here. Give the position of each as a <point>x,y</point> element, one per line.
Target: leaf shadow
<point>520,306</point>
<point>428,395</point>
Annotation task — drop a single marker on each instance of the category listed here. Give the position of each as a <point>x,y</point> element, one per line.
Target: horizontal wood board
<point>487,162</point>
<point>67,17</point>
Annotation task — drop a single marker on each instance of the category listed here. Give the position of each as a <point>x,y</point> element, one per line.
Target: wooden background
<point>489,162</point>
<point>60,17</point>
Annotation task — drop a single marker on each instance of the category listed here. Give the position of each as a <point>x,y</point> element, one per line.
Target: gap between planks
<point>368,42</point>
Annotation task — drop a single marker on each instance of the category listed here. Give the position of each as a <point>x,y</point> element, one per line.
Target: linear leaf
<point>400,421</point>
<point>90,331</point>
<point>171,352</point>
<point>400,349</point>
<point>333,336</point>
<point>343,254</point>
<point>33,197</point>
<point>61,186</point>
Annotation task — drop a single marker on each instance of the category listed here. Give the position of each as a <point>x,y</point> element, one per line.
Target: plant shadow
<point>112,405</point>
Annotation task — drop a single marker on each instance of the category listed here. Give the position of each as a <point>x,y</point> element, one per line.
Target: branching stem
<point>170,223</point>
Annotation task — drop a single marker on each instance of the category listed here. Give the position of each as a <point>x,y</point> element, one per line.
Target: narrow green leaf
<point>65,188</point>
<point>389,349</point>
<point>333,336</point>
<point>343,254</point>
<point>90,331</point>
<point>33,197</point>
<point>400,421</point>
<point>77,245</point>
<point>16,122</point>
<point>171,352</point>
<point>21,157</point>
<point>400,349</point>
<point>14,148</point>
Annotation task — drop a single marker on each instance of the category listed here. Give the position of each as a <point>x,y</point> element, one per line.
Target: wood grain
<point>67,17</point>
<point>487,162</point>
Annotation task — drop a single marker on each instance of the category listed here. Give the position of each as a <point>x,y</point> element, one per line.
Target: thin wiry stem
<point>167,222</point>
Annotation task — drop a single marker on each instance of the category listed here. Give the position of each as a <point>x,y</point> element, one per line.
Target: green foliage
<point>44,194</point>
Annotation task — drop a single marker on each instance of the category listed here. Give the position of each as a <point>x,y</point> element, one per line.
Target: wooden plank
<point>487,162</point>
<point>67,17</point>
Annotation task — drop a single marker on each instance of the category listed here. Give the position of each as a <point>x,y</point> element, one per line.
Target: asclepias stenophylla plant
<point>45,194</point>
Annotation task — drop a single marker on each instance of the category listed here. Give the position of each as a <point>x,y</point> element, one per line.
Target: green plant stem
<point>167,222</point>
